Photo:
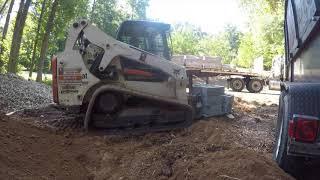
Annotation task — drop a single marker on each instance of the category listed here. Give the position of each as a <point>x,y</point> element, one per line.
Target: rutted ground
<point>215,148</point>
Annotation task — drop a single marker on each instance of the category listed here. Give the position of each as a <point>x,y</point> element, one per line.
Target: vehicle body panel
<point>302,67</point>
<point>75,78</point>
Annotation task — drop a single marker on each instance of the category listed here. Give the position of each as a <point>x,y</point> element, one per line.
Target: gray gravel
<point>17,94</point>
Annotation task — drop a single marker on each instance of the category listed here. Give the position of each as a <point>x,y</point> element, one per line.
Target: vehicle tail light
<point>54,79</point>
<point>304,128</point>
<point>292,129</point>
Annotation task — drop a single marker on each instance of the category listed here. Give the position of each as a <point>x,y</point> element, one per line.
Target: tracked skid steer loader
<point>122,84</point>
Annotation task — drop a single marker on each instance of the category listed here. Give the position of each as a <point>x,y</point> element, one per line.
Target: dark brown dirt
<point>216,148</point>
<point>255,125</point>
<point>31,153</point>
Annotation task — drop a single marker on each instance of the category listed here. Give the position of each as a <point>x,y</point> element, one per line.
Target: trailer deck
<point>215,72</point>
<point>236,80</point>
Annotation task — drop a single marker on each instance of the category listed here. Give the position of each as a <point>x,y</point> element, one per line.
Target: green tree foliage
<point>186,39</point>
<point>4,34</point>
<point>263,38</point>
<point>17,35</point>
<point>45,40</point>
<point>3,5</point>
<point>68,11</point>
<point>106,14</point>
<point>138,8</point>
<point>233,35</point>
<point>217,45</point>
<point>265,34</point>
<point>247,51</point>
<point>37,37</point>
<point>189,39</point>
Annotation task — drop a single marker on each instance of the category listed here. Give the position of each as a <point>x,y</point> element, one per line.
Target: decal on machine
<point>70,80</point>
<point>143,57</point>
<point>66,89</point>
<point>70,75</point>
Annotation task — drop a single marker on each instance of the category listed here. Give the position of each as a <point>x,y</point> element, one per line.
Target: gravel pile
<point>17,94</point>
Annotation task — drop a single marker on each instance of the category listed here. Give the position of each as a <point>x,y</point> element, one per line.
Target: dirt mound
<point>18,94</point>
<point>54,117</point>
<point>31,153</point>
<point>207,150</point>
<point>215,148</point>
<point>255,125</point>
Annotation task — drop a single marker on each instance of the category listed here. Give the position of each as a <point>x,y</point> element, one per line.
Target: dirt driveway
<point>267,97</point>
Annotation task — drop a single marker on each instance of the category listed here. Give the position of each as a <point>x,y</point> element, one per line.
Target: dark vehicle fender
<point>301,99</point>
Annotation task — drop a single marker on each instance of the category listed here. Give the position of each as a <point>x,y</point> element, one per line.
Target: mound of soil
<point>205,151</point>
<point>31,153</point>
<point>210,149</point>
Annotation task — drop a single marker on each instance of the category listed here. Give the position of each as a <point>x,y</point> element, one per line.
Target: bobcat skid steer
<point>122,86</point>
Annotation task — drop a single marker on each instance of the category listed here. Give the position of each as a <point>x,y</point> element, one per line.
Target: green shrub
<point>47,81</point>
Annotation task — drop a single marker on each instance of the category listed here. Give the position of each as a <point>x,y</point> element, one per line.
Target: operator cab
<point>152,37</point>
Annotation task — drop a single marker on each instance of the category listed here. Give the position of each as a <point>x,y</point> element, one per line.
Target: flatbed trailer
<point>237,81</point>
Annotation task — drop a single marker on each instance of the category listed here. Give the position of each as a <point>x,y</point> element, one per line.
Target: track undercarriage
<point>115,112</point>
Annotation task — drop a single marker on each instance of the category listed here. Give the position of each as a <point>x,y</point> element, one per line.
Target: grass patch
<point>47,78</point>
<point>25,75</point>
<point>47,81</point>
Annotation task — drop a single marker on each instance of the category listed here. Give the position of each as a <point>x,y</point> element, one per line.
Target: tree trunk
<point>17,35</point>
<point>45,41</point>
<point>93,8</point>
<point>43,8</point>
<point>5,30</point>
<point>3,6</point>
<point>6,25</point>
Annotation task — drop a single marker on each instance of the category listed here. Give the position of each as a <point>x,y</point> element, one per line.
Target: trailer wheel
<point>289,164</point>
<point>255,86</point>
<point>237,84</point>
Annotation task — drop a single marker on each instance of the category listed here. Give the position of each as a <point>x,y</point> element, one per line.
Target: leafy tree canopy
<point>106,14</point>
<point>264,37</point>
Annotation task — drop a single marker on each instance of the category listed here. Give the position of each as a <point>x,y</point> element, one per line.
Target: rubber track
<point>61,119</point>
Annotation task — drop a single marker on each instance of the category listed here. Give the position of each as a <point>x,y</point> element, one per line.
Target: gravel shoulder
<point>17,94</point>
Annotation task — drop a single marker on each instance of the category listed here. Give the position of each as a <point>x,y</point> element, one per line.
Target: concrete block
<point>208,90</point>
<point>209,111</point>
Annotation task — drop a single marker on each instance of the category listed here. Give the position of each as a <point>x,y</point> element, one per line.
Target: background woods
<point>32,30</point>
